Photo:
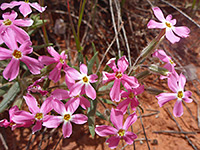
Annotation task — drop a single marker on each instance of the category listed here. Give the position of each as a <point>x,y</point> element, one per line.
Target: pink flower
<point>129,97</point>
<point>119,77</point>
<point>66,111</point>
<point>35,87</point>
<point>17,54</point>
<point>24,8</point>
<point>37,114</point>
<point>11,22</point>
<point>177,86</point>
<point>61,94</point>
<point>168,25</point>
<point>165,58</point>
<point>83,85</point>
<point>12,124</point>
<point>57,58</point>
<point>120,130</point>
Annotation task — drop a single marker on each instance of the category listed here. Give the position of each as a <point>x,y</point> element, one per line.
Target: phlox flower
<point>129,97</point>
<point>35,87</point>
<point>66,111</point>
<point>168,25</point>
<point>10,21</point>
<point>120,130</point>
<point>59,59</point>
<point>83,85</point>
<point>37,114</point>
<point>177,86</point>
<point>17,54</point>
<point>119,77</point>
<point>165,58</point>
<point>24,8</point>
<point>61,94</point>
<point>11,123</point>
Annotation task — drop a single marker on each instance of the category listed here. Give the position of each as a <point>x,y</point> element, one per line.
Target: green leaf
<point>91,117</point>
<point>36,47</point>
<point>107,101</point>
<point>9,97</point>
<point>100,115</point>
<point>106,87</point>
<point>91,63</point>
<point>94,49</point>
<point>80,57</point>
<point>4,89</point>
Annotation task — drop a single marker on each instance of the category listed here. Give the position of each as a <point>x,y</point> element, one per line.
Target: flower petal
<point>112,65</point>
<point>5,53</point>
<point>104,130</point>
<point>24,22</point>
<point>32,103</point>
<point>129,121</point>
<point>83,69</point>
<point>26,48</point>
<point>46,60</point>
<point>129,137</point>
<point>52,121</point>
<point>131,80</point>
<point>107,76</point>
<point>46,106</point>
<point>158,13</point>
<point>59,107</point>
<point>182,81</point>
<point>113,141</point>
<point>9,38</point>
<point>37,126</point>
<point>38,7</point>
<point>123,105</point>
<point>10,5</point>
<point>79,119</point>
<point>178,108</point>
<point>115,91</point>
<point>90,91</point>
<point>55,75</point>
<point>67,129</point>
<point>71,106</point>
<point>12,70</point>
<point>165,97</point>
<point>84,103</point>
<point>73,73</point>
<point>33,64</point>
<point>182,31</point>
<point>60,94</point>
<point>122,64</point>
<point>116,117</point>
<point>172,83</point>
<point>93,78</point>
<point>25,9</point>
<point>22,116</point>
<point>53,52</point>
<point>153,24</point>
<point>10,15</point>
<point>171,36</point>
<point>76,88</point>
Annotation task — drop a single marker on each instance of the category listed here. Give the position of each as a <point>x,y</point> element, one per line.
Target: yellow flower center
<point>67,117</point>
<point>180,94</point>
<point>171,62</point>
<point>26,1</point>
<point>121,132</point>
<point>7,22</point>
<point>131,95</point>
<point>62,61</point>
<point>39,116</point>
<point>85,79</point>
<point>17,54</point>
<point>12,124</point>
<point>118,74</point>
<point>168,24</point>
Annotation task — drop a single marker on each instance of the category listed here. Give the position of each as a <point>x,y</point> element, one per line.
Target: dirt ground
<point>97,27</point>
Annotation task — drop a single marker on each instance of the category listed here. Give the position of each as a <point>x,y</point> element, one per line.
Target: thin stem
<point>143,129</point>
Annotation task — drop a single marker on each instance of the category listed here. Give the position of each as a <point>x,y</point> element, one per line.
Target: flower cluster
<point>60,105</point>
